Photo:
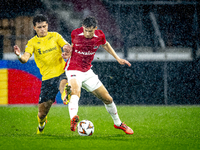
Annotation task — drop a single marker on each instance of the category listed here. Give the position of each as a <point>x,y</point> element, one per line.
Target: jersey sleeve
<point>73,36</point>
<point>61,41</point>
<point>29,47</point>
<point>103,37</point>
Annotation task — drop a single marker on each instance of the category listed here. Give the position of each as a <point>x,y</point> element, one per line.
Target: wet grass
<point>155,127</point>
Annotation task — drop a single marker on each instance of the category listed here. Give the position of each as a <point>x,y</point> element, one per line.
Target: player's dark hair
<point>39,18</point>
<point>90,22</point>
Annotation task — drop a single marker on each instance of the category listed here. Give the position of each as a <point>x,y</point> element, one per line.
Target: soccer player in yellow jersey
<point>46,47</point>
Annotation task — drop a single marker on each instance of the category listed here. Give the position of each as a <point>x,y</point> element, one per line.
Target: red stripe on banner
<point>23,88</point>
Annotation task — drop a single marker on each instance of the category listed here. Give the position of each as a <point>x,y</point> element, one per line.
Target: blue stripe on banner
<point>29,67</point>
<point>3,63</point>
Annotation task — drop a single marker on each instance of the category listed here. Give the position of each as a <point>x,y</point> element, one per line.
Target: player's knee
<point>108,99</point>
<point>62,85</point>
<point>76,91</point>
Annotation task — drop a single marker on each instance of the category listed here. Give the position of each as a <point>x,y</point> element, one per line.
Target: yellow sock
<point>41,122</point>
<point>63,95</point>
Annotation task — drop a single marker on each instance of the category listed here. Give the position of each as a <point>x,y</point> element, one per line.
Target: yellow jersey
<point>47,54</point>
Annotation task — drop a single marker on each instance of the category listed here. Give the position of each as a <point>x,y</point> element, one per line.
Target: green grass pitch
<point>155,127</point>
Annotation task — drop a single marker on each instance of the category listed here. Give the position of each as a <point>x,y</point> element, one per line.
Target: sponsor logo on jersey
<point>46,51</point>
<point>73,75</point>
<point>49,50</point>
<point>39,51</point>
<point>38,42</point>
<point>84,53</point>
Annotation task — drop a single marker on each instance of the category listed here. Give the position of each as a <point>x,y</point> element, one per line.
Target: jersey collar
<point>83,35</point>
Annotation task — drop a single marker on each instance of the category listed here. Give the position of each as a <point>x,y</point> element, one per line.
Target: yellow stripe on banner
<point>3,86</point>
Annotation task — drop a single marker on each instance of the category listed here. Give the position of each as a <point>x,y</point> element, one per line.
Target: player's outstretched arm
<point>22,58</point>
<point>110,50</point>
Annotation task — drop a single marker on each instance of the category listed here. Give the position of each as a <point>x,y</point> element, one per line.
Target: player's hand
<point>67,48</point>
<point>17,50</point>
<point>124,62</point>
<point>66,55</point>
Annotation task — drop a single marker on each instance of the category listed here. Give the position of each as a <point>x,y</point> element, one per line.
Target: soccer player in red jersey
<point>85,42</point>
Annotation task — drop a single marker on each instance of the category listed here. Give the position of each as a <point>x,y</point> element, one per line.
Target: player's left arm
<point>110,50</point>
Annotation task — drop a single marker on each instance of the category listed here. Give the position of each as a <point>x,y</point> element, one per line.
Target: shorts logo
<point>73,75</point>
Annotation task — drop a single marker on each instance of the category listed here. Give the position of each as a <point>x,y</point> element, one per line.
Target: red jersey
<point>84,49</point>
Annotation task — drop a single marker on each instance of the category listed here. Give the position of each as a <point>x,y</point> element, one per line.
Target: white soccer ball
<point>85,128</point>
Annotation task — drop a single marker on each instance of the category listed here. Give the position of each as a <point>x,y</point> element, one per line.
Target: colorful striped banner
<point>20,83</point>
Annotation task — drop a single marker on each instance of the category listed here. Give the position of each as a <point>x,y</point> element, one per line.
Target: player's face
<point>41,28</point>
<point>89,32</point>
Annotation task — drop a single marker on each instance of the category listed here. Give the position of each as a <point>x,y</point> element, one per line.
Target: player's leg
<point>49,90</point>
<point>93,84</point>
<point>73,103</point>
<point>66,96</point>
<point>75,81</point>
<point>65,91</point>
<point>103,94</point>
<point>43,110</point>
<point>63,82</point>
<point>71,99</point>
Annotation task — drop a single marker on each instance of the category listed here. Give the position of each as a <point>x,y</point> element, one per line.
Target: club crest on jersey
<point>50,37</point>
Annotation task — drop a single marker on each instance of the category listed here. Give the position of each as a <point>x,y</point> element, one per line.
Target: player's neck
<point>42,36</point>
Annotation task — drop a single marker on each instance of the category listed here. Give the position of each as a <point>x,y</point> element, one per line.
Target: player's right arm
<point>67,51</point>
<point>22,58</point>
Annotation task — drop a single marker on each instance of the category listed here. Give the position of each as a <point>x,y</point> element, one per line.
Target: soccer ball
<point>85,128</point>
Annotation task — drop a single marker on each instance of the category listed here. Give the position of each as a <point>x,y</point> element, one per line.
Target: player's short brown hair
<point>90,21</point>
<point>39,18</point>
